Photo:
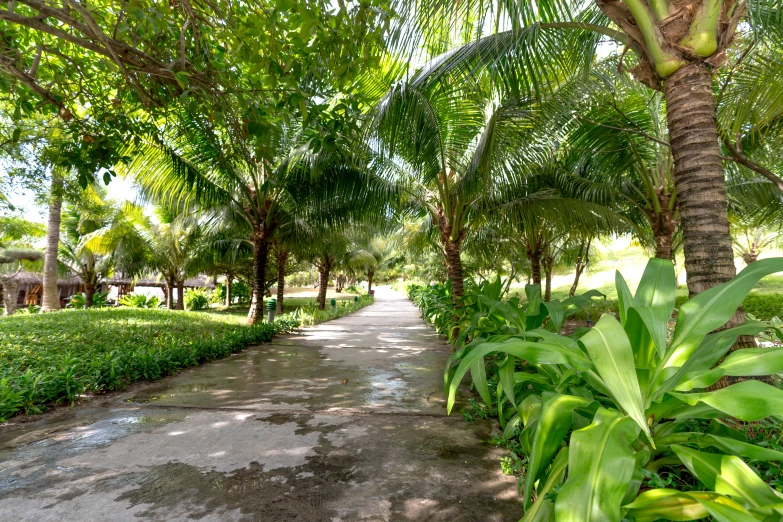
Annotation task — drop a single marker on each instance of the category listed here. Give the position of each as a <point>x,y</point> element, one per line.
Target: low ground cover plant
<point>54,358</point>
<point>619,422</point>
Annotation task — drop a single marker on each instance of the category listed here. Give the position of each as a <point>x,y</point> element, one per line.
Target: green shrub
<point>197,299</point>
<point>54,358</point>
<point>135,300</point>
<point>764,306</point>
<point>79,300</point>
<point>354,289</point>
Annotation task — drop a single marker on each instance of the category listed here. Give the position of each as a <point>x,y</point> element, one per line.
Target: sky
<point>119,189</point>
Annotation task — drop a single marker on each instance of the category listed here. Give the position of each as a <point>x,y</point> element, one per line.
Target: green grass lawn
<point>53,358</point>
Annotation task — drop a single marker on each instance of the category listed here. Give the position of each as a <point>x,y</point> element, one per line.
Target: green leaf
<point>555,309</point>
<point>712,308</point>
<point>600,466</point>
<point>576,303</point>
<point>624,296</point>
<point>526,407</point>
<point>727,511</point>
<point>511,426</point>
<point>542,510</point>
<point>747,400</point>
<point>657,286</point>
<point>740,449</point>
<point>666,504</point>
<point>646,329</point>
<point>611,353</point>
<point>533,293</point>
<point>537,353</point>
<point>478,373</point>
<point>506,375</point>
<point>753,362</point>
<point>727,475</point>
<point>710,350</point>
<point>553,425</point>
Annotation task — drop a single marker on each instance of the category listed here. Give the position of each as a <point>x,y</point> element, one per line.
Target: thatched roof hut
<point>194,282</point>
<point>31,287</point>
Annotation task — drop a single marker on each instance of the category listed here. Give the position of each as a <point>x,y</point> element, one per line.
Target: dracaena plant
<point>628,397</point>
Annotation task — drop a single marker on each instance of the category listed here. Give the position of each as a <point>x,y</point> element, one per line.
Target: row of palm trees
<point>519,144</point>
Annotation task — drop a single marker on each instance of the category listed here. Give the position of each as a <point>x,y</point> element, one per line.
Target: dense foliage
<point>53,358</point>
<point>604,418</point>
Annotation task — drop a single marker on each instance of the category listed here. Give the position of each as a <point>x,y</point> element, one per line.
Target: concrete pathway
<point>341,422</point>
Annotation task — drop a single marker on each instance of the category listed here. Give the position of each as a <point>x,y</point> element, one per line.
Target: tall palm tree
<point>614,134</point>
<point>50,300</point>
<point>677,48</point>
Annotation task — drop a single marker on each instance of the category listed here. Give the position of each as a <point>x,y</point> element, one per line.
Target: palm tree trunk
<point>260,255</point>
<point>170,293</point>
<point>10,295</point>
<point>180,295</point>
<point>663,226</point>
<point>51,293</point>
<point>454,269</point>
<point>663,245</point>
<point>282,259</point>
<point>370,275</point>
<point>89,290</point>
<point>229,283</point>
<point>699,178</point>
<point>323,271</point>
<point>534,255</point>
<point>701,185</point>
<point>548,277</point>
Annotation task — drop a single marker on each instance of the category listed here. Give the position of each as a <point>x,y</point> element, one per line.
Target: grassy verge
<point>54,358</point>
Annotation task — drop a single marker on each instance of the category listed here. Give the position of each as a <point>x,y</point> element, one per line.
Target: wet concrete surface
<point>341,422</point>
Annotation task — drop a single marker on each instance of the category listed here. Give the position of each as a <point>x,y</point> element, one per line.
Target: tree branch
<point>739,157</point>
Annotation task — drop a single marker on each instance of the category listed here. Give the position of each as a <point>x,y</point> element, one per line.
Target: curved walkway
<point>341,422</point>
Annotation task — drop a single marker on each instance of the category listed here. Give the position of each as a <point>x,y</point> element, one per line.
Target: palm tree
<point>444,144</point>
<point>618,140</point>
<point>678,48</point>
<point>197,163</point>
<point>79,221</point>
<point>50,300</point>
<point>371,248</point>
